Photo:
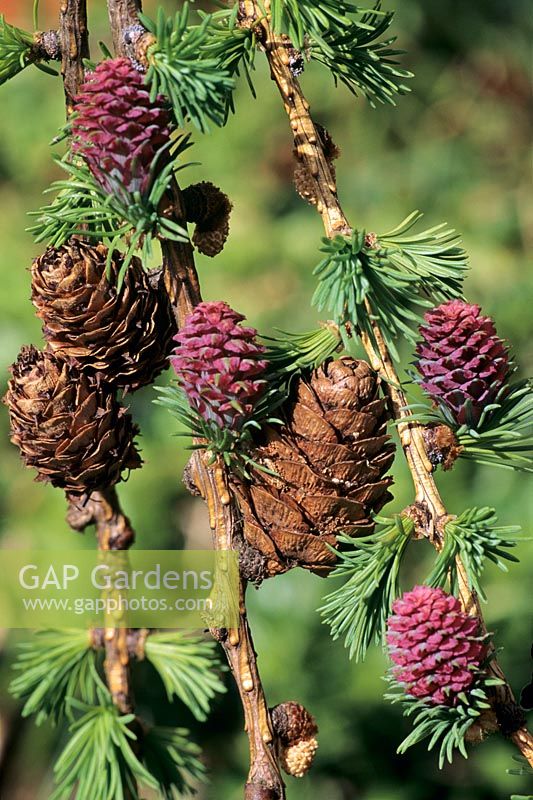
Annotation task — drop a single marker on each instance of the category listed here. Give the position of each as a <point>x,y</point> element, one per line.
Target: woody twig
<point>309,152</point>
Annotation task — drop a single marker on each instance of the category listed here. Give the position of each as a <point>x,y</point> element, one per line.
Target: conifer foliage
<point>294,448</point>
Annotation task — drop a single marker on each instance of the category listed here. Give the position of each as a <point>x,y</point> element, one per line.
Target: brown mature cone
<point>123,337</point>
<point>328,464</point>
<point>72,431</point>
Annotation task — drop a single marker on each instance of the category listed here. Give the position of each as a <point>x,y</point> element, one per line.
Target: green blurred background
<point>457,148</point>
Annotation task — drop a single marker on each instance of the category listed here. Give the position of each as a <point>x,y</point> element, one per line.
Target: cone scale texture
<point>72,431</point>
<point>295,730</point>
<point>123,337</point>
<point>219,364</point>
<point>117,129</point>
<point>208,207</point>
<point>328,465</point>
<point>462,361</point>
<point>435,647</point>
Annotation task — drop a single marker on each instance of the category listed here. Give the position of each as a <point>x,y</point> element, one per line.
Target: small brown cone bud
<point>442,445</point>
<point>482,728</point>
<point>71,430</point>
<point>123,337</point>
<point>208,207</point>
<point>304,182</point>
<point>295,729</point>
<point>293,722</point>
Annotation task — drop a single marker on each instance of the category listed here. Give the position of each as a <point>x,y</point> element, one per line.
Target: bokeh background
<point>457,148</point>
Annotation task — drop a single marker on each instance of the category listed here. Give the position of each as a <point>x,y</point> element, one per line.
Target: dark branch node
<point>510,718</point>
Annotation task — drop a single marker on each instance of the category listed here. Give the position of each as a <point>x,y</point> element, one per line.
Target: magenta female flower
<point>435,647</point>
<point>462,361</point>
<point>218,363</point>
<point>117,129</point>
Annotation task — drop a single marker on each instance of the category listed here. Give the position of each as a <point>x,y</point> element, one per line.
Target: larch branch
<point>309,150</point>
<point>181,281</point>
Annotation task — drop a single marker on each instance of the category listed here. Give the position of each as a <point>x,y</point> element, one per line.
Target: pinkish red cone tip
<point>117,129</point>
<point>219,365</point>
<point>434,645</point>
<point>462,361</point>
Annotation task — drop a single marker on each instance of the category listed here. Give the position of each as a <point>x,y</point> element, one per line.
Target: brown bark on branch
<point>74,44</point>
<point>309,150</point>
<point>136,641</point>
<point>181,280</point>
<point>122,15</point>
<point>264,779</point>
<point>524,741</point>
<point>113,532</point>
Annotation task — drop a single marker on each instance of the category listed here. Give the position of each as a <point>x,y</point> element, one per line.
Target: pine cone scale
<point>304,547</point>
<point>354,422</point>
<point>373,493</point>
<point>274,511</point>
<point>310,425</point>
<point>324,508</point>
<point>262,542</point>
<point>353,473</point>
<point>325,455</point>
